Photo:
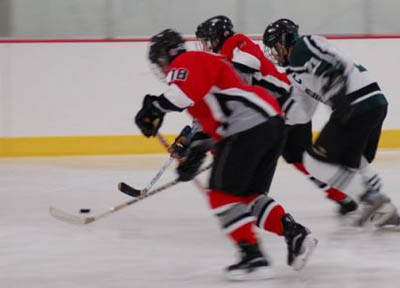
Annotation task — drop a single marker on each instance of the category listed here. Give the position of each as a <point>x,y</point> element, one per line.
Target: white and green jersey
<point>311,57</point>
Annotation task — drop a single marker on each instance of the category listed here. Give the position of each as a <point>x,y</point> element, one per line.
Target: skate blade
<point>368,212</point>
<point>309,245</point>
<point>388,216</point>
<point>388,228</point>
<point>260,273</point>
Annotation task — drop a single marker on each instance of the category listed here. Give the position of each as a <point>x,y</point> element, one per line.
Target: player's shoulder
<point>195,57</point>
<point>307,47</point>
<point>236,41</point>
<point>240,41</point>
<point>240,37</point>
<point>314,37</point>
<point>311,44</point>
<point>191,62</point>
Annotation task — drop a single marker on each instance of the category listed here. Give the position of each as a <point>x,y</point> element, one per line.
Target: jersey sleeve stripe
<point>278,91</point>
<point>177,97</point>
<point>224,98</point>
<point>246,59</point>
<point>252,98</point>
<point>317,50</point>
<point>273,81</point>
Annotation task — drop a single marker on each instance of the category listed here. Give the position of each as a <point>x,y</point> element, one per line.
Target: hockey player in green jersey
<point>342,153</point>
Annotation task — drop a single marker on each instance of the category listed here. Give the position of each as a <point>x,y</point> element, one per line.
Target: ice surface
<point>170,239</point>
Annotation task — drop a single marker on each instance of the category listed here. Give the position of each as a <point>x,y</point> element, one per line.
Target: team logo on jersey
<point>179,74</point>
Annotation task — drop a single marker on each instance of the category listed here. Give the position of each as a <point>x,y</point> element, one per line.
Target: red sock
<point>272,218</point>
<point>299,166</point>
<point>244,233</point>
<point>332,193</point>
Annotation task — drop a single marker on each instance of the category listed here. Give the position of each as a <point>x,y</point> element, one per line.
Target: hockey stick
<point>78,220</point>
<point>166,145</point>
<point>127,189</point>
<point>133,192</point>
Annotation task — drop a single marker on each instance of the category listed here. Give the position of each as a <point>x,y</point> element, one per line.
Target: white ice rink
<point>171,239</point>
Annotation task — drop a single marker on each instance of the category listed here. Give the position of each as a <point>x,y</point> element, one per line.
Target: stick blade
<point>128,190</point>
<point>68,218</point>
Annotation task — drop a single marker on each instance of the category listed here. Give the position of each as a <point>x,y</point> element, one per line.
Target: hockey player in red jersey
<point>247,126</point>
<point>216,34</point>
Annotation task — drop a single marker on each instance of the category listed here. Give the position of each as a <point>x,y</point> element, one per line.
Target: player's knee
<point>342,178</point>
<point>319,169</point>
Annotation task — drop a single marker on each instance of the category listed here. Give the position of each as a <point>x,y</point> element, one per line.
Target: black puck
<point>84,210</point>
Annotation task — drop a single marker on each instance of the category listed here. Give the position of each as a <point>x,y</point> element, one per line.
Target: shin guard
<point>234,216</point>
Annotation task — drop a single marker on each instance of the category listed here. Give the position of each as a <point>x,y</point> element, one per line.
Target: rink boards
<point>80,98</point>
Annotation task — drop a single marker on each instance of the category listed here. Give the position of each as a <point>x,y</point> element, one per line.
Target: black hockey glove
<point>149,118</point>
<point>335,82</point>
<point>335,90</point>
<point>181,146</point>
<point>188,168</point>
<point>200,144</point>
<point>190,137</point>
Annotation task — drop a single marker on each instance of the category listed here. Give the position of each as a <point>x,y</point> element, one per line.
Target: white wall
<point>116,18</point>
<point>75,88</point>
<point>62,89</point>
<point>4,82</point>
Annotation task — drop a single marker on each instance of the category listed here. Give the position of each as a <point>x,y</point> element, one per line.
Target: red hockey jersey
<point>215,96</point>
<point>247,55</point>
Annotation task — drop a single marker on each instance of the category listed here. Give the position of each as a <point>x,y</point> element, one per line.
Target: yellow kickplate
<point>80,145</point>
<point>108,145</point>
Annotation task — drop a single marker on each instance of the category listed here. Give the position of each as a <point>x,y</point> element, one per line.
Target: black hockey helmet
<point>215,30</point>
<point>283,31</point>
<point>278,37</point>
<point>164,47</point>
<point>201,32</point>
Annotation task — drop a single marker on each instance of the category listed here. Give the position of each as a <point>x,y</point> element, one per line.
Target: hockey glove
<point>149,118</point>
<point>199,145</point>
<point>335,83</point>
<point>181,146</point>
<point>188,168</point>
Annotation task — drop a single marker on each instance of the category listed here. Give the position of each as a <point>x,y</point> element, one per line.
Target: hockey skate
<point>299,241</point>
<point>346,206</point>
<point>393,221</point>
<point>252,266</point>
<point>377,209</point>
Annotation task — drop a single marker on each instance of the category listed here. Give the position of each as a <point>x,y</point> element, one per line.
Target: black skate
<point>346,206</point>
<point>300,242</point>
<point>253,265</point>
